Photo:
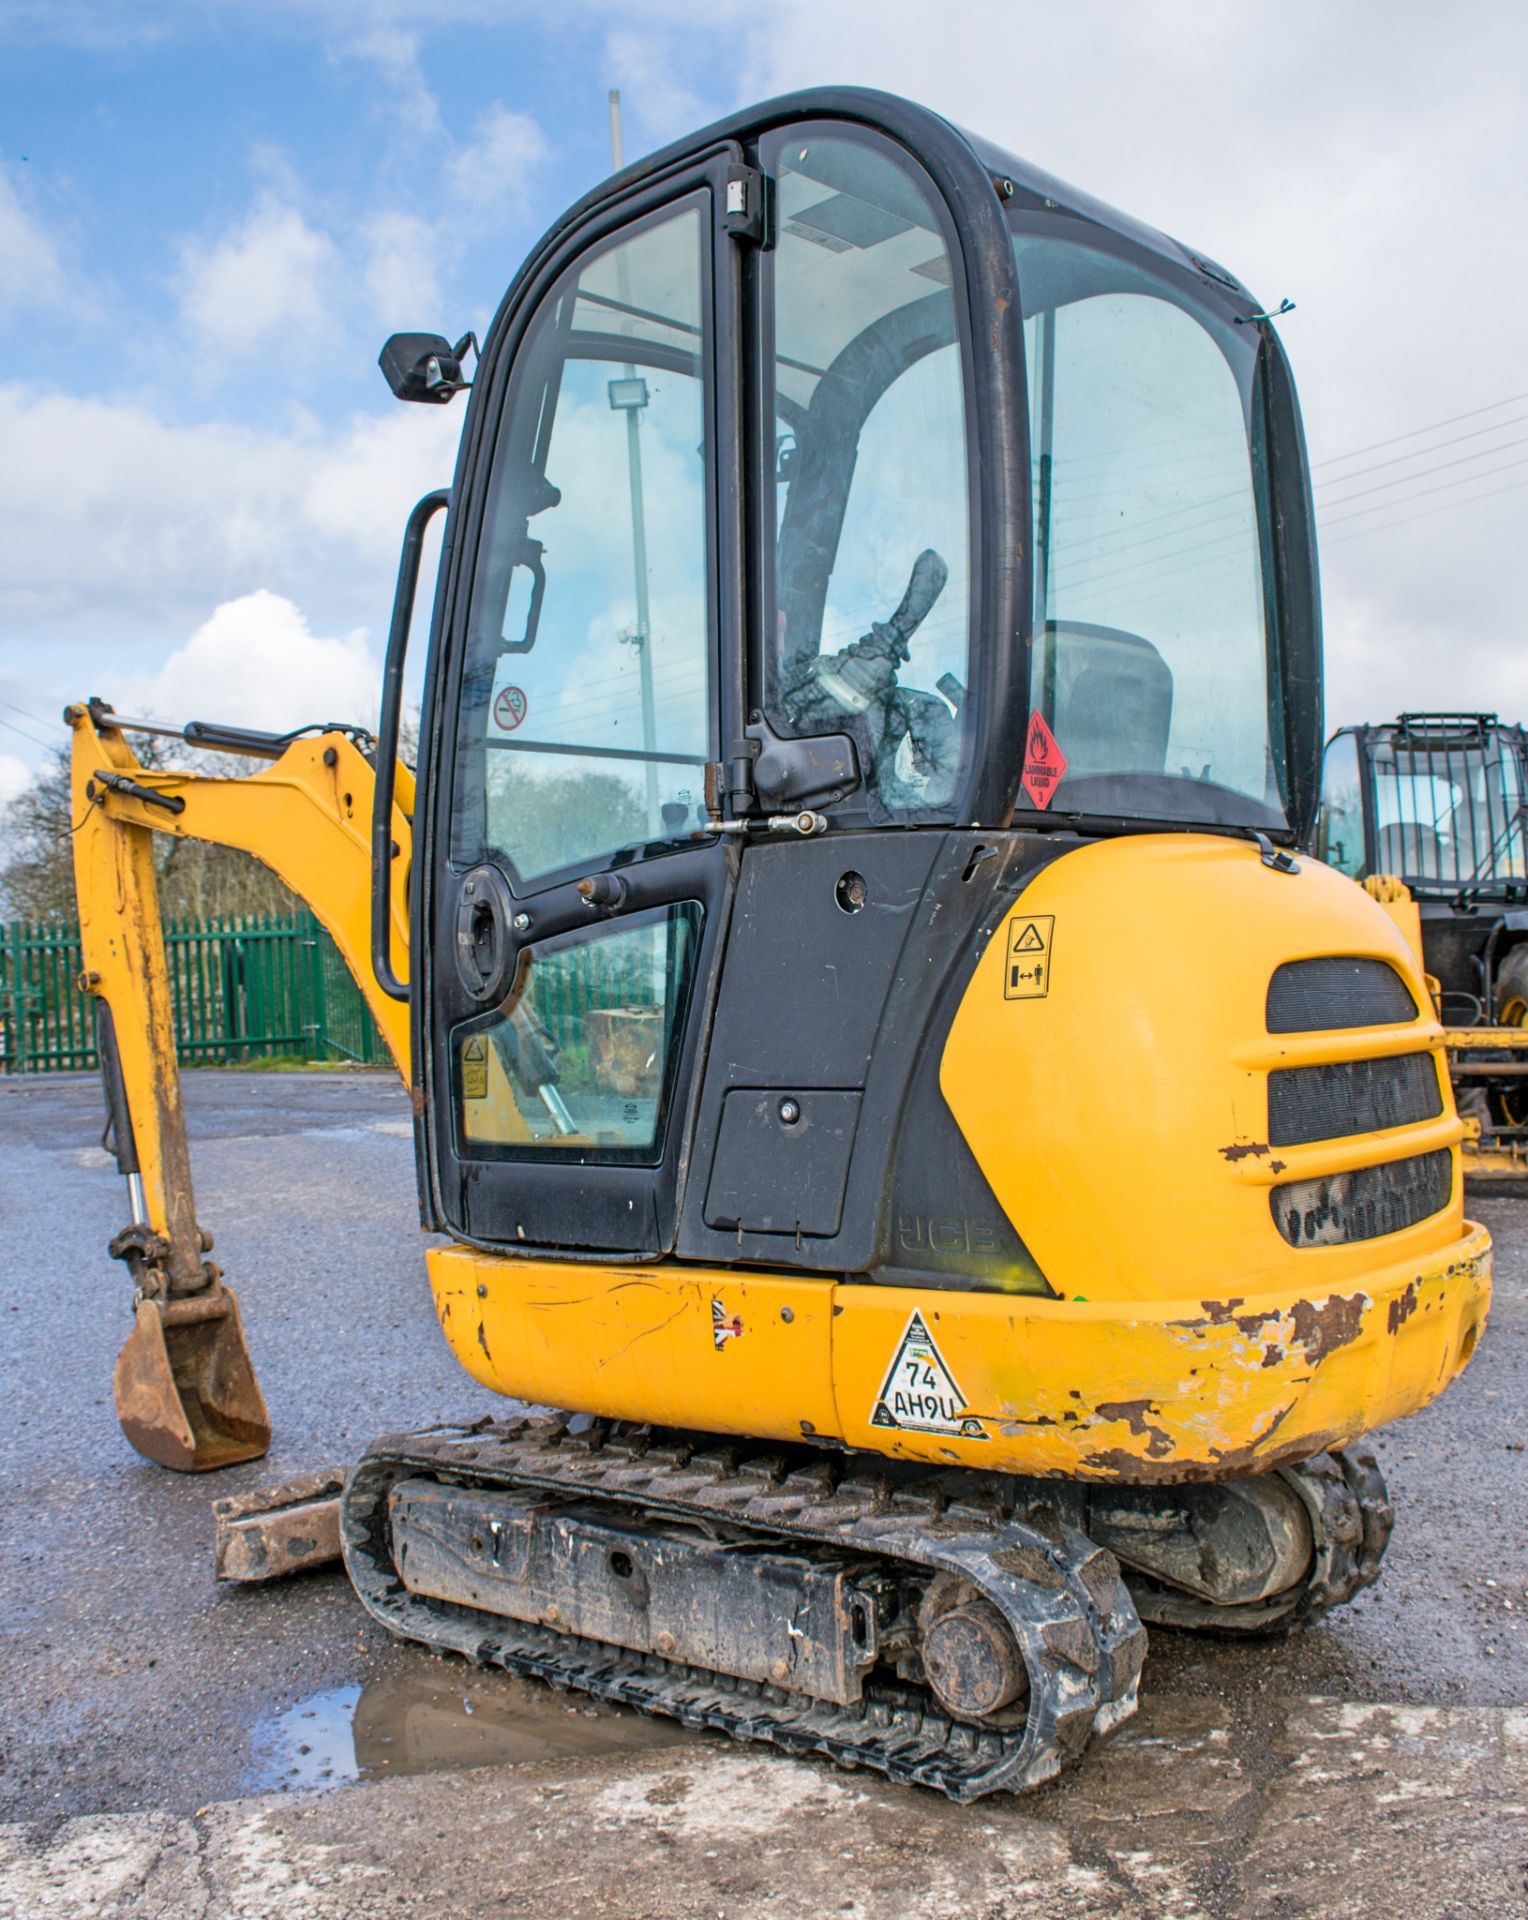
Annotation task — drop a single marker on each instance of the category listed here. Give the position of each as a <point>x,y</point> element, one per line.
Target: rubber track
<point>1351,1519</point>
<point>1061,1595</point>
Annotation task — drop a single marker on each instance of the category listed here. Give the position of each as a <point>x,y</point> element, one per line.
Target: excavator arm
<point>185,1389</point>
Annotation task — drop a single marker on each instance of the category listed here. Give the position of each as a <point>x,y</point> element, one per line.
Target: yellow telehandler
<point>877,1062</point>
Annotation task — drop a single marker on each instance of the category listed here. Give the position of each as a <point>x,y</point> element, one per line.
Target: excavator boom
<point>185,1389</point>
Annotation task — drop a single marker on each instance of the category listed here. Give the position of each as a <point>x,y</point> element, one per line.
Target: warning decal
<point>1044,762</point>
<point>509,705</point>
<point>919,1391</point>
<point>475,1068</point>
<point>724,1326</point>
<point>1027,969</point>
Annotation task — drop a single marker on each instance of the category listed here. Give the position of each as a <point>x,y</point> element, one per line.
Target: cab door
<point>576,897</point>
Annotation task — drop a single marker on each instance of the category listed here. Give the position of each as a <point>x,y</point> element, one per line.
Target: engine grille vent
<point>1335,991</point>
<point>1343,1097</point>
<point>1342,1207</point>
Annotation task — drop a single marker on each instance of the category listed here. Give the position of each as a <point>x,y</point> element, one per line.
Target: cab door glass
<point>585,723</point>
<point>870,468</point>
<point>579,1059</point>
<point>1340,821</point>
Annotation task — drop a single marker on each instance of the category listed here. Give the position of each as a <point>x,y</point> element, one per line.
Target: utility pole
<point>628,395</point>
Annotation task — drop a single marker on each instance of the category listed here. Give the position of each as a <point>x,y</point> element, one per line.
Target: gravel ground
<point>169,1747</point>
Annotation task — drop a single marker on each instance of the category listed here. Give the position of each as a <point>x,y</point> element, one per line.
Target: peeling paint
<point>1401,1308</point>
<point>1246,1150</point>
<point>1337,1322</point>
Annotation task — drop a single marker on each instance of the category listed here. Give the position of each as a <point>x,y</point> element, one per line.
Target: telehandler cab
<point>875,1059</point>
<point>1430,812</point>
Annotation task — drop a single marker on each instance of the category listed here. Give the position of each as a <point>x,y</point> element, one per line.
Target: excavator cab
<point>815,485</point>
<point>879,1063</point>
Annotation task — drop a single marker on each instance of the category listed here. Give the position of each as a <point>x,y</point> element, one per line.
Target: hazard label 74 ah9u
<point>919,1391</point>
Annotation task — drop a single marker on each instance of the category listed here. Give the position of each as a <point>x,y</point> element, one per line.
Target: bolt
<point>1005,188</point>
<point>89,981</point>
<point>787,1314</point>
<point>522,923</point>
<point>470,888</point>
<point>778,1670</point>
<point>790,1113</point>
<point>664,1643</point>
<point>482,1291</point>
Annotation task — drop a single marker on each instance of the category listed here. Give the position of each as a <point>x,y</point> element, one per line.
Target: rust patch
<point>1246,1150</point>
<point>1402,1307</point>
<point>1321,1330</point>
<point>483,1343</point>
<point>1272,1355</point>
<point>1217,1312</point>
<point>1133,1413</point>
<point>1257,1456</point>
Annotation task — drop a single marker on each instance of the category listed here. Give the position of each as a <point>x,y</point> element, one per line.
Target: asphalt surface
<point>168,1746</point>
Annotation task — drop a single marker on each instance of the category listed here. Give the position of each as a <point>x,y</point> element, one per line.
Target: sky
<point>212,213</point>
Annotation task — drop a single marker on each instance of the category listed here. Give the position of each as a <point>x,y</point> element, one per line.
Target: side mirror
<point>425,366</point>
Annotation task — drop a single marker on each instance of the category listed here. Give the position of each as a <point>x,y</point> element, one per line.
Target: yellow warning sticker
<point>1027,970</point>
<point>475,1068</point>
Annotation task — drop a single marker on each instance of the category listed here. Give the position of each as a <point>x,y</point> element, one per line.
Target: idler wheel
<point>972,1661</point>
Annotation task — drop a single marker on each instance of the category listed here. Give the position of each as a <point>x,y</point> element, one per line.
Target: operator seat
<point>1112,699</point>
<point>1409,849</point>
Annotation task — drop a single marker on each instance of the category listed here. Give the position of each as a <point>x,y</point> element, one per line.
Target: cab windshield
<point>1154,673</point>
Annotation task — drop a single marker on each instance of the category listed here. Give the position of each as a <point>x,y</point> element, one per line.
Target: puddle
<point>436,1724</point>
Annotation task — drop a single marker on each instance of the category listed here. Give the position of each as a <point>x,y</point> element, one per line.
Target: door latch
<point>745,213</point>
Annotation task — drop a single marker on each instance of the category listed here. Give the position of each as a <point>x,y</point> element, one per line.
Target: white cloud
<point>402,277</point>
<point>395,54</point>
<point>497,166</point>
<point>31,269</point>
<point>15,777</point>
<point>268,278</point>
<point>149,524</point>
<point>254,662</point>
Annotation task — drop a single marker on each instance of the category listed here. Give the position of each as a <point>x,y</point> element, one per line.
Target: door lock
<point>486,949</point>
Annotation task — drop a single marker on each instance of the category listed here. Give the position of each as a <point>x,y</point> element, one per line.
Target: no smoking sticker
<point>509,705</point>
<point>1027,965</point>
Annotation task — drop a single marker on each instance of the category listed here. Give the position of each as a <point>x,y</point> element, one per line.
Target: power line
<point>1395,439</point>
<point>49,744</point>
<point>1385,485</point>
<point>1448,506</point>
<point>26,713</point>
<point>1340,479</point>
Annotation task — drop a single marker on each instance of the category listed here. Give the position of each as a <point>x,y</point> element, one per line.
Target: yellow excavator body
<point>1182,1333</point>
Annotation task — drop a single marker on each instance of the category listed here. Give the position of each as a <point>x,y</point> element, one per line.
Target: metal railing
<point>242,988</point>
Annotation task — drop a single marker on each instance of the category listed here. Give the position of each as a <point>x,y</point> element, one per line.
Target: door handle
<point>387,746</point>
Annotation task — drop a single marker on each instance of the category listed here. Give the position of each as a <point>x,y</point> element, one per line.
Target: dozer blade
<point>185,1391</point>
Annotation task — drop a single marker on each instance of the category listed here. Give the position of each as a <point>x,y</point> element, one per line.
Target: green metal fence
<point>243,988</point>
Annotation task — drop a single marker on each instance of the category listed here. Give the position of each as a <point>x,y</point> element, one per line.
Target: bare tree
<point>196,881</point>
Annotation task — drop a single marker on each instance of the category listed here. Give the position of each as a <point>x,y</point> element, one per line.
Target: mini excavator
<point>879,1063</point>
